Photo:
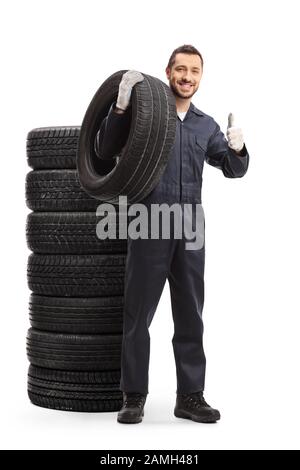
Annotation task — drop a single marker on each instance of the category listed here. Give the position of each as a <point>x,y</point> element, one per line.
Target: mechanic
<point>151,261</point>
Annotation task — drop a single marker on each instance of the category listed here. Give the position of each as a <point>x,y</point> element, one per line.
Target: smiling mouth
<point>185,85</point>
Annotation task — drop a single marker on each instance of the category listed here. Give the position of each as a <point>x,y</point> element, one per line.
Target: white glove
<point>129,79</point>
<point>234,135</point>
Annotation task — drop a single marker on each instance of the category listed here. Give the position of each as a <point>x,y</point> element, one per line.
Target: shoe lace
<point>196,399</point>
<point>136,399</point>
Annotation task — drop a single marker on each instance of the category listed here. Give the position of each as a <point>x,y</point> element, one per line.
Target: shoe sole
<point>186,415</point>
<point>131,421</point>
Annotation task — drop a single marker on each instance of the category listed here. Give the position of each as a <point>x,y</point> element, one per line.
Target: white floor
<point>243,426</point>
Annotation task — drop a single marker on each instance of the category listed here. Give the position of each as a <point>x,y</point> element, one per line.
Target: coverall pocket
<point>202,143</point>
<point>196,159</point>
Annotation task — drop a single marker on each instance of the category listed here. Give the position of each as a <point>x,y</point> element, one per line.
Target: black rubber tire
<point>94,315</point>
<point>103,378</point>
<point>74,352</point>
<point>73,402</point>
<point>145,155</point>
<point>69,232</point>
<point>76,275</point>
<point>57,190</point>
<point>75,391</point>
<point>52,147</point>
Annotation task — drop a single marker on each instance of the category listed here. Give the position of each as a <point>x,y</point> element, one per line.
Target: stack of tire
<point>77,284</point>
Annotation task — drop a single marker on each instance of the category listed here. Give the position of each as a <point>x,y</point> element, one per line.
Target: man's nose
<point>187,77</point>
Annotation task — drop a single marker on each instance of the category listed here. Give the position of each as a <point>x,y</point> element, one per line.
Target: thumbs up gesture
<point>234,135</point>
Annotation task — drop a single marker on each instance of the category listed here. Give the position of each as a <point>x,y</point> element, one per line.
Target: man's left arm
<point>230,156</point>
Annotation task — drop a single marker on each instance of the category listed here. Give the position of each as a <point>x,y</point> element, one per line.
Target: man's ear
<point>168,70</point>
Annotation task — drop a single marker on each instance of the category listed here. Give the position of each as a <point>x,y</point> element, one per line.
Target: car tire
<point>74,352</point>
<point>77,315</point>
<point>52,147</point>
<point>70,232</point>
<point>76,275</point>
<point>143,159</point>
<point>74,390</point>
<point>57,190</point>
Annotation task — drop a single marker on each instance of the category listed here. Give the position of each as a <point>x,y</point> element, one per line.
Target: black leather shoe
<point>132,410</point>
<point>193,406</point>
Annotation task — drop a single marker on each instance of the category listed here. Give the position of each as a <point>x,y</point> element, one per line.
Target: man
<point>150,261</point>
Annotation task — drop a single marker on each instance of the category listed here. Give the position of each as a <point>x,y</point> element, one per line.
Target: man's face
<point>185,75</point>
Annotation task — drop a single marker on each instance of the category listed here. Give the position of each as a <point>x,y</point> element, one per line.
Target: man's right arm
<point>113,133</point>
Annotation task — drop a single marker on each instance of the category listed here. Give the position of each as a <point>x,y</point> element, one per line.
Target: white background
<point>54,57</point>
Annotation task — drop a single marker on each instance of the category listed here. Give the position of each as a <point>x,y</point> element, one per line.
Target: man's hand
<point>129,79</point>
<point>234,135</point>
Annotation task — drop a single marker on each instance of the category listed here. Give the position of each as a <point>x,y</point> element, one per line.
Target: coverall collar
<point>193,109</point>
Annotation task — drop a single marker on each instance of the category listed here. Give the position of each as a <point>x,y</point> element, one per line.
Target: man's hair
<point>185,49</point>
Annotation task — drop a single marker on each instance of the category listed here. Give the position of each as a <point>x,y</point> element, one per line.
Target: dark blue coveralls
<point>151,261</point>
